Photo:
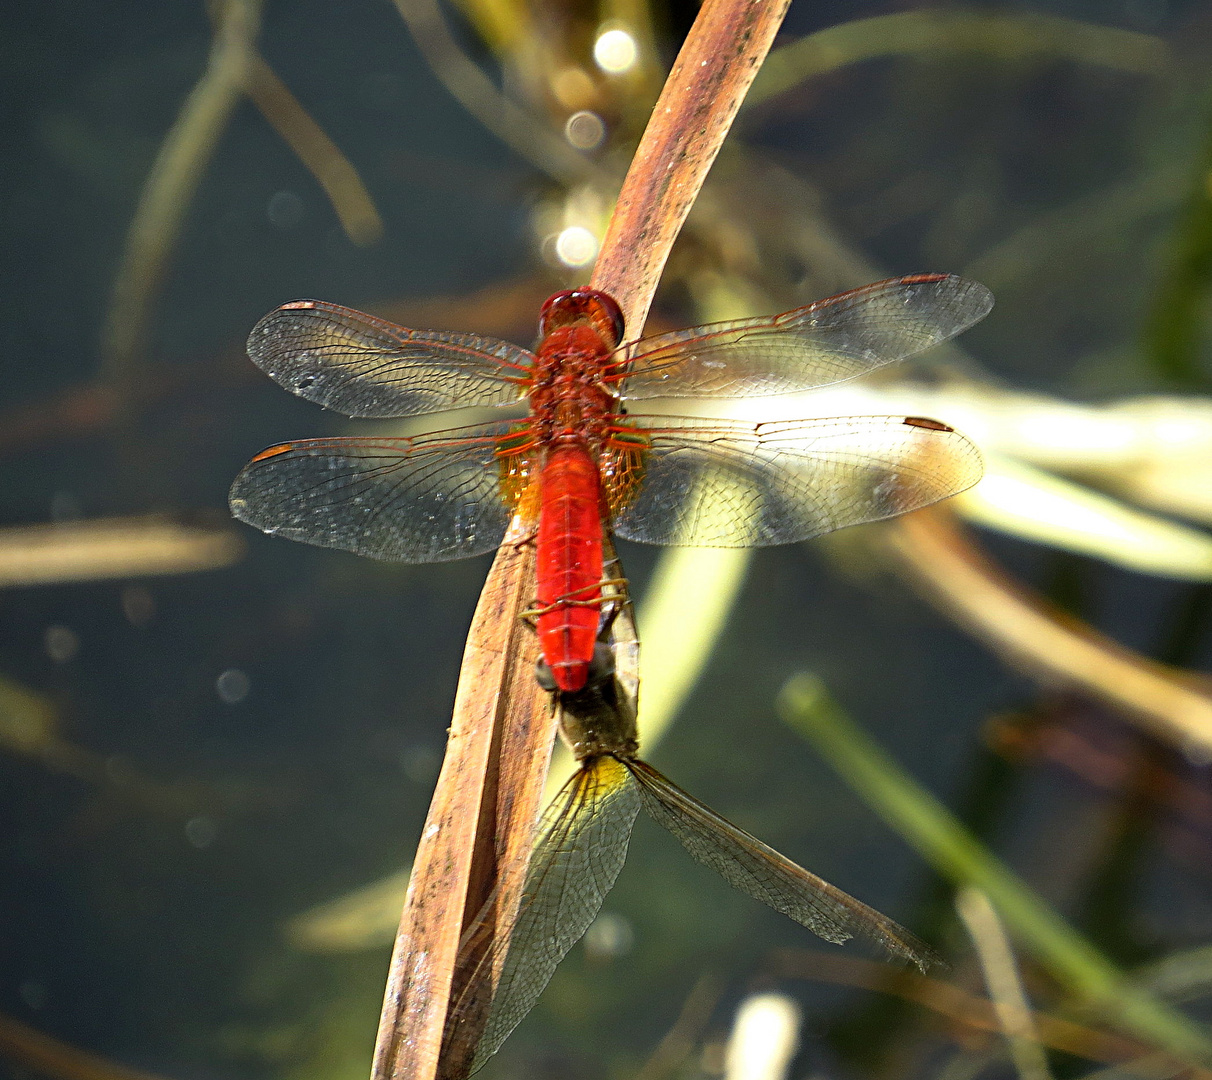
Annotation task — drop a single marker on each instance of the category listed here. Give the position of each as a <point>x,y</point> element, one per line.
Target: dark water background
<point>141,918</point>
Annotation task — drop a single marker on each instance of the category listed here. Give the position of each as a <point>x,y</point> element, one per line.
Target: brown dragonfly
<point>581,847</point>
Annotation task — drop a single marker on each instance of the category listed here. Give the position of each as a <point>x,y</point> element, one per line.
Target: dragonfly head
<point>576,306</point>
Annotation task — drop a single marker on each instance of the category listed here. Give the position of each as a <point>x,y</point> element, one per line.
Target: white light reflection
<point>61,643</point>
<point>232,686</point>
<point>615,51</point>
<point>576,246</point>
<point>585,130</point>
<point>608,936</point>
<point>765,1037</point>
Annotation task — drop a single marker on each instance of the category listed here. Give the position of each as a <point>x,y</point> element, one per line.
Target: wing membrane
<point>757,869</point>
<point>826,342</point>
<point>720,483</point>
<point>425,499</point>
<point>581,849</point>
<point>367,367</point>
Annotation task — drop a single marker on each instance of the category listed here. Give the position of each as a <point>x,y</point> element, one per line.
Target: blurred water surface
<point>267,734</point>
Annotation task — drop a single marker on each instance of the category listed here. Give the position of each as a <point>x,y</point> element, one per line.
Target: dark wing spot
<point>929,425</point>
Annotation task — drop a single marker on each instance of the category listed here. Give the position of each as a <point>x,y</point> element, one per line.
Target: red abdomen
<point>569,570</point>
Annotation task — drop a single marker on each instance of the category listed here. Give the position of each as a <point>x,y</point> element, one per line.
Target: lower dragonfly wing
<point>425,499</point>
<point>721,483</point>
<point>757,869</point>
<point>364,366</point>
<point>581,848</point>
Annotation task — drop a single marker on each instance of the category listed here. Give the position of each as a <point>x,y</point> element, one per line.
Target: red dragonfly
<point>578,463</point>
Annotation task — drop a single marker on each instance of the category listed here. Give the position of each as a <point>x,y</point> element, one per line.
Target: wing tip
<point>919,954</point>
<point>978,299</point>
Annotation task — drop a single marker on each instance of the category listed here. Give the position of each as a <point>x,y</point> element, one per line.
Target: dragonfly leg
<point>602,665</point>
<point>520,536</point>
<point>571,599</point>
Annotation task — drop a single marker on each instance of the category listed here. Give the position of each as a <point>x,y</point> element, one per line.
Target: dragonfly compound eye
<point>545,676</point>
<point>583,306</point>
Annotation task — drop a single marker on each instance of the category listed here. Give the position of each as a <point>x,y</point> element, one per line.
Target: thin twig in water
<point>170,186</point>
<point>523,132</point>
<point>681,1039</point>
<point>234,68</point>
<point>952,1002</point>
<point>332,170</point>
<point>106,548</point>
<point>1085,973</point>
<point>1009,36</point>
<point>37,1051</point>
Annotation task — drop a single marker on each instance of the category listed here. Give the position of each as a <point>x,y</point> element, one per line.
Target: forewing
<point>581,848</point>
<point>718,483</point>
<point>826,342</point>
<point>426,499</point>
<point>367,367</point>
<point>757,869</point>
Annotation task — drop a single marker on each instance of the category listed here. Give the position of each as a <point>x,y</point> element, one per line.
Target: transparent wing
<point>425,499</point>
<point>580,851</point>
<point>363,366</point>
<point>757,869</point>
<point>825,342</point>
<point>718,483</point>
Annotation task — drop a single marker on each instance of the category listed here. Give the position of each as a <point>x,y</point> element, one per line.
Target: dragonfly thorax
<point>566,393</point>
<point>598,720</point>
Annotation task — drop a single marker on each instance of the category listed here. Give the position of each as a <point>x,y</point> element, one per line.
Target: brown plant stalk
<point>487,798</point>
<point>1041,640</point>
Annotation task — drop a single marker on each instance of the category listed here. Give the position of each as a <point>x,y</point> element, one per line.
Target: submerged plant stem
<point>955,853</point>
<point>1007,36</point>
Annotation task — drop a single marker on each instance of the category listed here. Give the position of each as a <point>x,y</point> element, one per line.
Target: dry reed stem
<point>486,802</point>
<point>1042,641</point>
<point>718,61</point>
<point>485,799</point>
